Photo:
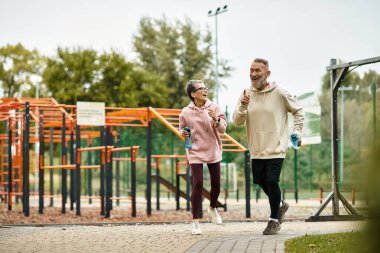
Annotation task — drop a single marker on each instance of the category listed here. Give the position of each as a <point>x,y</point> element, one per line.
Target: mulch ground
<point>91,215</point>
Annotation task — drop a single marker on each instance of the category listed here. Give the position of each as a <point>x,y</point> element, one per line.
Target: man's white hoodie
<point>266,120</point>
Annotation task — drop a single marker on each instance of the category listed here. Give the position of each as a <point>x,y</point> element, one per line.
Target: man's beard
<point>259,83</point>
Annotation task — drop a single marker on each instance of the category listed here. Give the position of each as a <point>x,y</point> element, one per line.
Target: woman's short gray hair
<point>190,87</point>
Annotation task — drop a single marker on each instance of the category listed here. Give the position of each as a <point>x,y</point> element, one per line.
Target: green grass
<point>334,243</point>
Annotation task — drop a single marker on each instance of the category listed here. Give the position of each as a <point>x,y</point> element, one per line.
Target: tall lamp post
<point>215,14</point>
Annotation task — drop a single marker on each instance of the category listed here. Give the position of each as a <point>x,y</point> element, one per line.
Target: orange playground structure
<point>37,122</point>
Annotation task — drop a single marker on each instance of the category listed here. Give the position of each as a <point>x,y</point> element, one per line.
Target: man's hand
<point>245,99</point>
<point>299,142</point>
<point>212,114</point>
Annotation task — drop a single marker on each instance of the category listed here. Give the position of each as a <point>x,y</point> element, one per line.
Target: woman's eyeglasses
<point>202,89</point>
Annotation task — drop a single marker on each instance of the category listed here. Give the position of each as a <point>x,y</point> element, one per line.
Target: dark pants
<point>196,194</point>
<point>266,173</point>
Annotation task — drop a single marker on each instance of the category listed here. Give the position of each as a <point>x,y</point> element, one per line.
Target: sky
<point>298,37</point>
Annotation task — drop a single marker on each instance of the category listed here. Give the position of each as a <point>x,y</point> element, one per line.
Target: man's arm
<point>297,112</point>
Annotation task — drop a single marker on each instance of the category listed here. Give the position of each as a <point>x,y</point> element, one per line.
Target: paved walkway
<point>234,237</point>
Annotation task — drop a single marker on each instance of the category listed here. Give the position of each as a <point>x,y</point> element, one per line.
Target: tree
<point>69,75</point>
<point>84,75</point>
<point>18,66</point>
<point>176,52</point>
<point>128,85</point>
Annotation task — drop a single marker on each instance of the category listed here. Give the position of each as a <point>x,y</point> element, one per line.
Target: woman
<point>206,121</point>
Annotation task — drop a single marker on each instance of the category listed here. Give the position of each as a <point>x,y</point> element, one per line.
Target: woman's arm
<point>221,121</point>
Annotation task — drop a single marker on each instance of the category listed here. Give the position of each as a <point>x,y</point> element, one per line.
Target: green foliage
<point>84,75</point>
<point>17,67</point>
<point>177,52</point>
<point>124,84</point>
<point>111,83</point>
<point>69,75</point>
<point>339,242</point>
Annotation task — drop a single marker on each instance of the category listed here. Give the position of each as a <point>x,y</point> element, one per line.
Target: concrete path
<point>234,237</point>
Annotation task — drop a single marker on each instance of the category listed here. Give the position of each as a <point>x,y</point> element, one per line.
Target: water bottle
<point>294,139</point>
<point>188,142</point>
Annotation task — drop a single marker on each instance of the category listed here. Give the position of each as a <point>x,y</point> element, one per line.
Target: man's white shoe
<point>195,229</point>
<point>214,215</point>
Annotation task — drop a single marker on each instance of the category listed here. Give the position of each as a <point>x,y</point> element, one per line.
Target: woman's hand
<point>185,133</point>
<point>212,114</point>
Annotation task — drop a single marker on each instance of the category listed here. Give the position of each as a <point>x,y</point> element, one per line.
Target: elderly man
<point>264,108</point>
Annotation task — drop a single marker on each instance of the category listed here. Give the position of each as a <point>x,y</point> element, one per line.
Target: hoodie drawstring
<point>205,121</point>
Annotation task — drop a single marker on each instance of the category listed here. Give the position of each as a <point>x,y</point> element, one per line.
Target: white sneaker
<point>214,215</point>
<point>195,229</point>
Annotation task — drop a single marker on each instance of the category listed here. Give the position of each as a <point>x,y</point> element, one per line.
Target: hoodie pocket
<point>266,143</point>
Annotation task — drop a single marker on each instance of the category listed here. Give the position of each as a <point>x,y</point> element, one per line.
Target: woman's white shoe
<point>214,215</point>
<point>195,229</point>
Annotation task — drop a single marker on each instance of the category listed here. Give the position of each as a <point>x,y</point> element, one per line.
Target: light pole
<point>215,13</point>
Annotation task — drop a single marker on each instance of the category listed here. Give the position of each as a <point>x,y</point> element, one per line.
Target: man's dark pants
<point>266,173</point>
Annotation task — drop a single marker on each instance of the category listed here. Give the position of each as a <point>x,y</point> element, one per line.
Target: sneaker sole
<point>216,223</point>
<point>219,224</point>
<point>272,233</point>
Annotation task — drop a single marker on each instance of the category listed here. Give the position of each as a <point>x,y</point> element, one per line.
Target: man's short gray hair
<point>263,61</point>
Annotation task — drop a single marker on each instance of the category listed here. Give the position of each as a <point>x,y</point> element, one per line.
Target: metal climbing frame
<point>35,121</point>
<point>338,72</point>
<point>43,120</point>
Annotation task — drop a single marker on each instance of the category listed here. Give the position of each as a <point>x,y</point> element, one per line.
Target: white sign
<point>12,114</point>
<point>91,114</point>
